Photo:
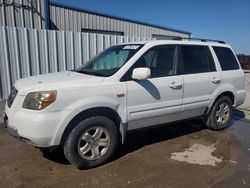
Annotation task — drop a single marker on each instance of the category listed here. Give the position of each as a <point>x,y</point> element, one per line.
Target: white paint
<point>197,154</point>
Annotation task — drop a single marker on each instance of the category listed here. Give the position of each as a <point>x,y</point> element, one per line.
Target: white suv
<point>88,111</point>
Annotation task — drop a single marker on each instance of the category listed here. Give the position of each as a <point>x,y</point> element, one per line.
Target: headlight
<point>39,100</point>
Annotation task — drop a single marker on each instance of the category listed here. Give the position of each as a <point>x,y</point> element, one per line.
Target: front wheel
<point>92,142</point>
<point>220,114</point>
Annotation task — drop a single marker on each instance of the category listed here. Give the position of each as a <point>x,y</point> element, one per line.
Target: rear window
<point>226,58</point>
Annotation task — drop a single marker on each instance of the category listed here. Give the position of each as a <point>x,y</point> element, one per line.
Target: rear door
<point>231,75</point>
<point>201,80</point>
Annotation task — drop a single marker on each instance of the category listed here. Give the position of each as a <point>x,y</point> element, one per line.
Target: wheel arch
<point>96,111</point>
<point>229,94</point>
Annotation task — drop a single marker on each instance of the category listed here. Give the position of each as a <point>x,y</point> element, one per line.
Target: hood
<point>56,81</point>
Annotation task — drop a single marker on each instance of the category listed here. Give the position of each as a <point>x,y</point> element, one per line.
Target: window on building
<point>105,32</point>
<point>163,37</point>
<point>196,59</point>
<point>226,58</point>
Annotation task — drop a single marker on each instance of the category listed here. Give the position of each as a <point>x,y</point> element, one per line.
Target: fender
<point>88,103</point>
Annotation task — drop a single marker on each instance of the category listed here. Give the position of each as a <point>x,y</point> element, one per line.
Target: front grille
<point>12,96</point>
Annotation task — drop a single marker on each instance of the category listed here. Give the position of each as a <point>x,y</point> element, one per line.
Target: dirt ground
<point>177,155</point>
<point>146,160</point>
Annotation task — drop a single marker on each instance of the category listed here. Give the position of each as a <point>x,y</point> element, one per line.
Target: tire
<point>220,114</point>
<point>92,142</point>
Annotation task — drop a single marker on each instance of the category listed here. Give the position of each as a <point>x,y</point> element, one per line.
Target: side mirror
<point>141,73</point>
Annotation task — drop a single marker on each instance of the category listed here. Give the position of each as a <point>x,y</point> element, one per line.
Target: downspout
<point>47,14</point>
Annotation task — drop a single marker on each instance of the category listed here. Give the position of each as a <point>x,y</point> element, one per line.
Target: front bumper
<point>35,128</point>
<point>13,132</point>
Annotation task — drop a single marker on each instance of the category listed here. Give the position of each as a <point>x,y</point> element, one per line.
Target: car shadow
<point>56,155</point>
<point>141,138</point>
<point>238,114</point>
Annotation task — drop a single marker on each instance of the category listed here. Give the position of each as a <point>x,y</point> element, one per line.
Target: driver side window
<point>161,60</point>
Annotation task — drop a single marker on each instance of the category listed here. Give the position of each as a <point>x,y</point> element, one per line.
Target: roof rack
<point>199,39</point>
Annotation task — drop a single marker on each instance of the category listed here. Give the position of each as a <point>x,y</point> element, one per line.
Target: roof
<point>117,17</point>
<point>176,42</point>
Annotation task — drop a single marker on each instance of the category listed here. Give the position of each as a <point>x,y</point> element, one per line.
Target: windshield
<point>109,61</point>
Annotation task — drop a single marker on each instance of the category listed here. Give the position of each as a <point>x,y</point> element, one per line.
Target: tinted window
<point>226,58</point>
<point>161,61</point>
<point>196,59</point>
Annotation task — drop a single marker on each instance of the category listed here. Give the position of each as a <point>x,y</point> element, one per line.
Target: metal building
<point>43,14</point>
<point>37,36</point>
<point>24,13</point>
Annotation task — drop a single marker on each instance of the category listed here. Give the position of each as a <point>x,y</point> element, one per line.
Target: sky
<point>227,20</point>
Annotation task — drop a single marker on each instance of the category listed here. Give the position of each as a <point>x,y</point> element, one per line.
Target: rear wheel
<point>92,142</point>
<point>220,114</point>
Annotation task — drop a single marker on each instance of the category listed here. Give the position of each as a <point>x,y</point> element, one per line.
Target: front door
<point>159,98</point>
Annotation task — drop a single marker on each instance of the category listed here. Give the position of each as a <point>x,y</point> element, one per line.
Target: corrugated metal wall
<point>27,52</point>
<point>40,14</point>
<point>62,18</point>
<point>23,13</point>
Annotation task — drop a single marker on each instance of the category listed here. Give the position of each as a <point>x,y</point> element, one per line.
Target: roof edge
<point>116,17</point>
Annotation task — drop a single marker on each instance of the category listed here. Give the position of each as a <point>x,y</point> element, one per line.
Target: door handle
<point>175,85</point>
<point>216,80</point>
